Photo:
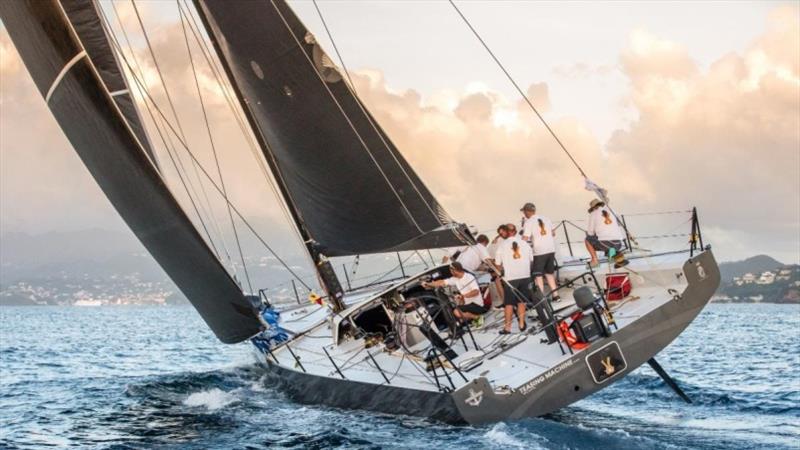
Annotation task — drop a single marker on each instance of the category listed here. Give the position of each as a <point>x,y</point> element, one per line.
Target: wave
<point>211,399</point>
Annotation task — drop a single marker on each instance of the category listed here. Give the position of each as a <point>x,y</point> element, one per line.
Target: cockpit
<point>408,317</point>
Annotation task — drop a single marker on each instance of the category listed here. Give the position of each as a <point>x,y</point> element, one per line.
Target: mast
<point>327,275</point>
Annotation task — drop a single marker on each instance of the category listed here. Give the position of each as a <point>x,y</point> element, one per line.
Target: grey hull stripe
<point>61,74</point>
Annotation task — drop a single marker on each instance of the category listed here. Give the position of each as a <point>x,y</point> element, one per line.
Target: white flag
<point>590,185</point>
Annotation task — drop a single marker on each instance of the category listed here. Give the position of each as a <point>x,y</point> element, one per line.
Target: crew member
<point>469,300</point>
<point>539,232</point>
<point>603,233</point>
<point>514,258</point>
<point>476,256</point>
<point>497,242</point>
<point>496,288</point>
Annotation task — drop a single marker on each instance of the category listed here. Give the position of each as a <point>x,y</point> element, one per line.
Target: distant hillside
<point>755,265</point>
<point>60,268</point>
<point>770,281</point>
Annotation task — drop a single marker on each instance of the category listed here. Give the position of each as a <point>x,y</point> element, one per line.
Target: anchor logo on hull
<point>475,398</point>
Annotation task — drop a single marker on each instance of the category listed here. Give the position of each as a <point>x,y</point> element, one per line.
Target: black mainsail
<point>348,187</point>
<point>92,121</point>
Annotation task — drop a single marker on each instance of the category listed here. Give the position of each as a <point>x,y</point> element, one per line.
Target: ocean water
<point>143,377</point>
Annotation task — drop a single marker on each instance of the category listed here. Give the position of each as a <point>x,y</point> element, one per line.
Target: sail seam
<point>61,74</point>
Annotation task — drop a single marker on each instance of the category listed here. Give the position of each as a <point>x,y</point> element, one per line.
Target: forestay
<point>349,188</point>
<point>93,123</point>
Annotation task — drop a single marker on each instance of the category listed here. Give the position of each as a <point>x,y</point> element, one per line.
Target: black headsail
<point>349,189</point>
<point>85,19</point>
<point>93,123</point>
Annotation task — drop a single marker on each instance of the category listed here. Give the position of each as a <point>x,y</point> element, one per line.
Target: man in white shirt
<point>475,256</point>
<point>514,258</point>
<point>496,288</point>
<point>497,242</point>
<point>603,233</point>
<point>469,299</point>
<point>539,232</point>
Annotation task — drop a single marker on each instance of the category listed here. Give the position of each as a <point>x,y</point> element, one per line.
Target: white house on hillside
<point>766,278</point>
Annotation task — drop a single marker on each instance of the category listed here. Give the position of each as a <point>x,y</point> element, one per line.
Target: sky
<point>668,105</point>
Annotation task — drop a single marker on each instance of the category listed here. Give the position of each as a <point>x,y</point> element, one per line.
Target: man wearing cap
<point>539,232</point>
<point>603,233</point>
<point>469,300</point>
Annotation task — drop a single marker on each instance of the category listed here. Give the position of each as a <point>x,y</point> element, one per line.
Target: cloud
<point>726,139</point>
<point>723,137</point>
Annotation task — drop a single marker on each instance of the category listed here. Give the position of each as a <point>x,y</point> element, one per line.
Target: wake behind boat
<point>395,347</point>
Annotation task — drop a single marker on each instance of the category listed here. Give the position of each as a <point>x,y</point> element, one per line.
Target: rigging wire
<point>259,156</point>
<point>238,115</point>
<point>146,95</point>
<point>211,141</point>
<point>533,108</point>
<point>158,129</point>
<point>521,93</point>
<point>206,209</point>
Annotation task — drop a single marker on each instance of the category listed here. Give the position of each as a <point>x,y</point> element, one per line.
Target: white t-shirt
<point>472,257</point>
<point>495,246</point>
<point>515,266</point>
<point>606,228</point>
<point>464,285</point>
<point>542,243</point>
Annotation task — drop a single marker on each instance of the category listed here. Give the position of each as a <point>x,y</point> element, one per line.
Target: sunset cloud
<point>724,137</point>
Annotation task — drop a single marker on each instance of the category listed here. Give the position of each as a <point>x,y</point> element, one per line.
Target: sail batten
<point>96,127</point>
<point>349,188</point>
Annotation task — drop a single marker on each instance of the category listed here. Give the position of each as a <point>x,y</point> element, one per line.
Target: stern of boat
<point>577,376</point>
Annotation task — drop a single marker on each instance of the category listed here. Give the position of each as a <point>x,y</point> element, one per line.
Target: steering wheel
<point>439,310</point>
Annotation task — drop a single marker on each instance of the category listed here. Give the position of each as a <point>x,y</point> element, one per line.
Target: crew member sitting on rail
<point>469,299</point>
<point>476,256</point>
<point>539,231</point>
<point>603,233</point>
<point>515,257</point>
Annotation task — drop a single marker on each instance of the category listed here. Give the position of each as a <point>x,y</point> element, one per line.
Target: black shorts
<point>511,297</point>
<point>544,264</point>
<point>603,246</point>
<point>473,308</point>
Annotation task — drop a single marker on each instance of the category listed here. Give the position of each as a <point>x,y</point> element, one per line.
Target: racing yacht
<point>393,347</point>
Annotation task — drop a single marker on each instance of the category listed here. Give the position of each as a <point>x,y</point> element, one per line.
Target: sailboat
<point>394,346</point>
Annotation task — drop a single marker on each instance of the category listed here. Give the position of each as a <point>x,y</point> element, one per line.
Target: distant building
<point>766,278</point>
<point>738,281</point>
<point>748,278</point>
